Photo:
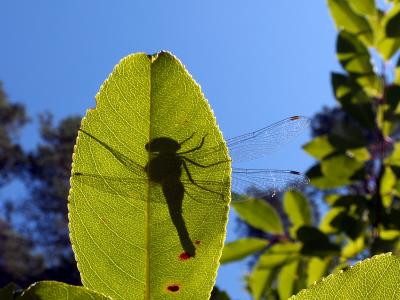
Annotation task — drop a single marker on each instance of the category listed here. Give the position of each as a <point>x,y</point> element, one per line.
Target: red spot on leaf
<point>197,242</point>
<point>184,256</point>
<point>173,288</point>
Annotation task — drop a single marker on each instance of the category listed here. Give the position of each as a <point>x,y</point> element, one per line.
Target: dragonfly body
<point>167,162</point>
<point>165,168</point>
<point>165,165</point>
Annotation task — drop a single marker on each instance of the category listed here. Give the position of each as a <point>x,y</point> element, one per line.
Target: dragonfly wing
<point>122,187</point>
<point>266,140</point>
<point>127,162</point>
<point>205,192</point>
<point>265,180</point>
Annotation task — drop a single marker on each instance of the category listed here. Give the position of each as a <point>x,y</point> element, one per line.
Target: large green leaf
<point>136,238</point>
<point>239,249</point>
<point>375,278</point>
<point>345,18</point>
<point>259,214</point>
<point>53,290</point>
<point>298,210</point>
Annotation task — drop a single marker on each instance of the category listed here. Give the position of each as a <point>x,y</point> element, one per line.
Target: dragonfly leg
<point>204,166</point>
<point>196,184</point>
<point>195,148</point>
<point>184,141</point>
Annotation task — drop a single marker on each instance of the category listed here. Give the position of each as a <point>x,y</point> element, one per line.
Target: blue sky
<point>257,62</point>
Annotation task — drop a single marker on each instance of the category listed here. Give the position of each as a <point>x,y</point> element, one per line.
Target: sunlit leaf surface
<point>147,216</point>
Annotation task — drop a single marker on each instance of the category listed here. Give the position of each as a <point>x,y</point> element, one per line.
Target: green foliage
<point>135,238</point>
<point>347,19</point>
<point>356,171</point>
<point>241,248</point>
<point>298,210</point>
<point>375,278</point>
<point>258,214</point>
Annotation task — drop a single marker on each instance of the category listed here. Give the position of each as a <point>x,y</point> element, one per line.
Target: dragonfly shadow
<point>165,167</point>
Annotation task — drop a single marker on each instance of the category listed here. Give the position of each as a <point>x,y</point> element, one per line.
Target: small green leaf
<point>340,166</point>
<point>317,267</point>
<point>259,214</point>
<point>319,147</point>
<point>394,158</point>
<point>315,242</point>
<point>217,294</point>
<point>53,290</point>
<point>352,54</point>
<point>335,200</point>
<point>353,99</point>
<point>239,249</point>
<point>389,234</point>
<point>137,231</point>
<point>345,18</point>
<point>375,278</point>
<point>352,248</point>
<point>352,226</point>
<point>344,136</point>
<point>360,154</point>
<point>287,279</point>
<point>388,182</point>
<point>298,210</point>
<point>363,7</point>
<point>268,265</point>
<point>259,281</point>
<point>393,22</point>
<point>279,255</point>
<point>318,179</point>
<point>387,41</point>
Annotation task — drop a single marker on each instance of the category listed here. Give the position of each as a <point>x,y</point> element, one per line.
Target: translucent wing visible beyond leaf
<point>261,142</point>
<point>266,180</point>
<point>266,140</point>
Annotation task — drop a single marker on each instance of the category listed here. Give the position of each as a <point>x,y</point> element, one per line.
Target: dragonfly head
<point>162,144</point>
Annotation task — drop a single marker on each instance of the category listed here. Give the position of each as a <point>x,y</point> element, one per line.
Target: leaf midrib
<point>147,212</point>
